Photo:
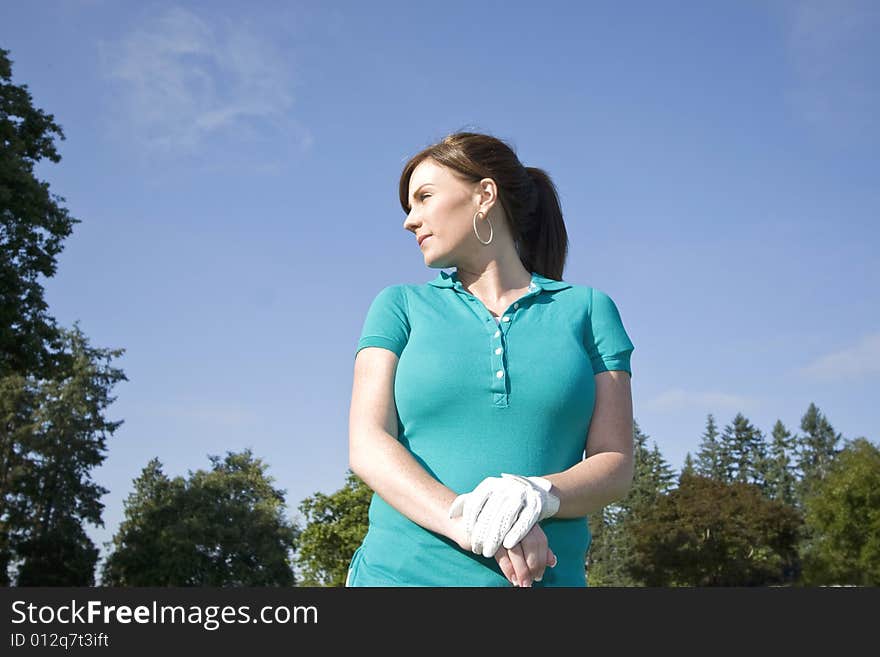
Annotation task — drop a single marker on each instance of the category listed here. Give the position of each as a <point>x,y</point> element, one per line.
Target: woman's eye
<point>422,197</point>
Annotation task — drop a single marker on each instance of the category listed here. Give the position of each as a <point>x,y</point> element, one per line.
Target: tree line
<point>744,511</point>
<point>798,510</point>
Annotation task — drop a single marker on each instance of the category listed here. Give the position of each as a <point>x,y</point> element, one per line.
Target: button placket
<point>499,386</point>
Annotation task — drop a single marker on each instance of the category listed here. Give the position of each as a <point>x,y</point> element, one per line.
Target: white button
<point>499,373</point>
<point>505,319</point>
<point>497,333</point>
<point>498,350</point>
<point>516,305</point>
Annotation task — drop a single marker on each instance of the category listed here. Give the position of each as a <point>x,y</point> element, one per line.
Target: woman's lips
<point>424,240</point>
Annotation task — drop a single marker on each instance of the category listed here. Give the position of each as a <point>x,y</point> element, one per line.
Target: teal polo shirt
<point>477,397</point>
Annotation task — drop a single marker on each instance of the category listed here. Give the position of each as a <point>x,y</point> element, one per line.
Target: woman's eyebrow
<point>417,190</point>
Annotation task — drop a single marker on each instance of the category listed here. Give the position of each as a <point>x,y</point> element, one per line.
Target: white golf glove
<point>502,510</point>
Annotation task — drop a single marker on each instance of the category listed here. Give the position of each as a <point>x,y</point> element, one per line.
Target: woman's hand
<point>526,560</point>
<point>522,563</point>
<point>500,511</point>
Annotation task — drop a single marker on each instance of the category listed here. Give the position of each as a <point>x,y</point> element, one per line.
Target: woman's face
<point>443,206</point>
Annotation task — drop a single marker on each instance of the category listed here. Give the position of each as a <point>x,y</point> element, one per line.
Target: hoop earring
<point>491,230</point>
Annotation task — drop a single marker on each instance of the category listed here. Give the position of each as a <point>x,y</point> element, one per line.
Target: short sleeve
<point>606,340</point>
<point>387,323</point>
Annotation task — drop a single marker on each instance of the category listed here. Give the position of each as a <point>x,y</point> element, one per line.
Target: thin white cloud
<point>677,399</point>
<point>182,80</point>
<point>832,49</point>
<point>861,360</point>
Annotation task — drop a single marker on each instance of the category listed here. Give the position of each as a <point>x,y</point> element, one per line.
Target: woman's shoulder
<point>394,295</point>
<point>597,302</point>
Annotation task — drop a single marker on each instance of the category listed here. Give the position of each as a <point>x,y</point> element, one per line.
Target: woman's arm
<point>381,461</point>
<point>387,467</point>
<point>607,472</point>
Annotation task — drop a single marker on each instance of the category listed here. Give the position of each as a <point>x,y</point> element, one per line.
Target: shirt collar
<point>538,282</point>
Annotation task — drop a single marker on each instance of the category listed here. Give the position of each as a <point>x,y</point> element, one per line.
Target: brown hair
<point>527,195</point>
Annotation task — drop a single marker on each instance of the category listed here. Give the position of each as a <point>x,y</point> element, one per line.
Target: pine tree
<point>712,460</point>
<point>745,446</point>
<point>53,390</point>
<point>818,447</point>
<point>689,467</point>
<point>780,471</point>
<point>662,474</point>
<point>652,475</point>
<point>610,552</point>
<point>51,493</point>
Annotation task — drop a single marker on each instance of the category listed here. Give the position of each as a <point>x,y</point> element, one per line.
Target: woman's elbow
<point>360,446</point>
<point>354,456</point>
<point>626,478</point>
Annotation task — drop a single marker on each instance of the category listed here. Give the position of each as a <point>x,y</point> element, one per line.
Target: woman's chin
<point>435,261</point>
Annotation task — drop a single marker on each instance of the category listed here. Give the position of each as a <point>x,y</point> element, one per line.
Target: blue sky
<point>235,168</point>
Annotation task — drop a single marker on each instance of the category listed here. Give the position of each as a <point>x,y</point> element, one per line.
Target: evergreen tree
<point>53,386</point>
<point>817,449</point>
<point>689,467</point>
<point>654,476</point>
<point>712,459</point>
<point>610,552</point>
<point>18,399</point>
<point>780,472</point>
<point>48,492</point>
<point>745,445</point>
<point>33,225</point>
<point>146,551</point>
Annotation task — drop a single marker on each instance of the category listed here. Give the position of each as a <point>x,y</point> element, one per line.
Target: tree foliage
<point>335,526</point>
<point>843,513</point>
<point>713,460</point>
<point>817,449</point>
<point>744,444</point>
<point>610,548</point>
<point>689,466</point>
<point>54,387</point>
<point>731,517</point>
<point>33,225</point>
<point>53,434</point>
<point>780,471</point>
<point>712,533</point>
<point>223,527</point>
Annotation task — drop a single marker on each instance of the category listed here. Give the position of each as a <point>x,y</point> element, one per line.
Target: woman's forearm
<point>592,484</point>
<point>390,470</point>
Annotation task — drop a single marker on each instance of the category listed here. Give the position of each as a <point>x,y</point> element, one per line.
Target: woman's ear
<point>488,193</point>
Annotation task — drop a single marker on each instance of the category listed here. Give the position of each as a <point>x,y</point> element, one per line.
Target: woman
<point>491,408</point>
